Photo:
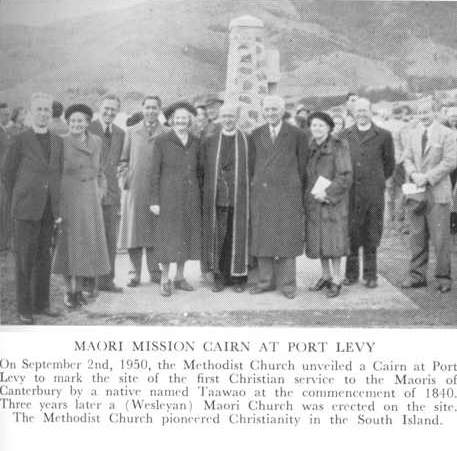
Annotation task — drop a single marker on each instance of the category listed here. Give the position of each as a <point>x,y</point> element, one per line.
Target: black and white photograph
<point>228,163</point>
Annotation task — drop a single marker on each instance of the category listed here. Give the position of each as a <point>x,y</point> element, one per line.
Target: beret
<point>323,117</point>
<point>79,108</point>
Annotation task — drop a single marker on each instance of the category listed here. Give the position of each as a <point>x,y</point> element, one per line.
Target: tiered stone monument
<point>247,69</point>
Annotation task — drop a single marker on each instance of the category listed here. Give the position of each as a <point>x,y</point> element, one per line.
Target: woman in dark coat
<point>81,249</point>
<point>326,203</point>
<point>176,196</point>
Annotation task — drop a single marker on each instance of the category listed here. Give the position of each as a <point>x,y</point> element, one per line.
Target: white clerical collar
<point>40,130</point>
<point>229,133</point>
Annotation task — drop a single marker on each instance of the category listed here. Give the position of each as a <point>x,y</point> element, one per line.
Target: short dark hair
<point>112,96</point>
<point>349,95</point>
<point>57,109</point>
<point>152,97</point>
<point>3,105</point>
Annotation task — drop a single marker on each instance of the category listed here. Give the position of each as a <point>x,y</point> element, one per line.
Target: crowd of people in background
<point>185,183</point>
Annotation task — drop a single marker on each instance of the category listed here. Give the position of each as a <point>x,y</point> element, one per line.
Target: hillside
<point>178,48</point>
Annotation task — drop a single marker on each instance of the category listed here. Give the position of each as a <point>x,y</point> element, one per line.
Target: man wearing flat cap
<point>213,105</point>
<point>278,153</point>
<point>31,173</point>
<point>226,203</point>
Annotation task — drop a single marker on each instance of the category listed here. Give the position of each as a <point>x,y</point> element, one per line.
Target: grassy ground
<point>435,309</point>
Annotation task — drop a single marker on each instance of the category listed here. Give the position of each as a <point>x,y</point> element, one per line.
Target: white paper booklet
<point>412,188</point>
<point>321,185</point>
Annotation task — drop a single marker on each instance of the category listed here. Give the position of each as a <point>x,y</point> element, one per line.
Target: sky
<point>44,12</point>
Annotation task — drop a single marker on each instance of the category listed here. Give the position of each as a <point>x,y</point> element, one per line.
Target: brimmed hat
<point>323,117</point>
<point>214,99</point>
<point>169,111</point>
<point>79,108</point>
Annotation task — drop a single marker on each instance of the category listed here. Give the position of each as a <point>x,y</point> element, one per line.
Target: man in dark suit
<point>278,157</point>
<point>373,162</point>
<point>113,142</point>
<point>31,173</point>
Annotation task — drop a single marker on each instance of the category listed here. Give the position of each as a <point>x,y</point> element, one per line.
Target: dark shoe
<point>47,312</point>
<point>371,283</point>
<point>334,289</point>
<point>133,282</point>
<point>320,284</point>
<point>348,281</point>
<point>70,301</point>
<point>165,289</point>
<point>26,320</point>
<point>411,283</point>
<point>257,289</point>
<point>289,294</point>
<point>239,287</point>
<point>183,285</point>
<point>80,298</point>
<point>111,288</point>
<point>217,286</point>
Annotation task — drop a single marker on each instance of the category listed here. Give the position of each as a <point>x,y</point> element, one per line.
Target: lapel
<point>433,137</point>
<point>82,146</point>
<point>54,157</point>
<point>265,138</point>
<point>37,150</point>
<point>372,133</point>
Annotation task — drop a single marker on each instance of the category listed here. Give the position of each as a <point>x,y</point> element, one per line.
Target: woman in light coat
<point>82,249</point>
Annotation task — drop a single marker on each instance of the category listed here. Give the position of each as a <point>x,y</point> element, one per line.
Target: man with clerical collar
<point>135,168</point>
<point>113,141</point>
<point>226,203</point>
<point>373,162</point>
<point>430,157</point>
<point>32,172</point>
<point>278,154</point>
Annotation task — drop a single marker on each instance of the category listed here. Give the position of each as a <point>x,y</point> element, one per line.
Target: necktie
<point>424,142</point>
<point>108,135</point>
<point>273,135</point>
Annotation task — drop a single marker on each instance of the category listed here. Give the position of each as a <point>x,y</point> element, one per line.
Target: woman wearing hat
<point>176,196</point>
<point>81,250</point>
<point>329,177</point>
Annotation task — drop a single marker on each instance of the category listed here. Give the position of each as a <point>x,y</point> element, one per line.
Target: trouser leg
<point>265,265</point>
<point>41,278</point>
<point>438,219</point>
<point>135,257</point>
<point>419,236</point>
<point>153,264</point>
<point>111,222</point>
<point>352,263</point>
<point>26,237</point>
<point>371,236</point>
<point>370,264</point>
<point>286,275</point>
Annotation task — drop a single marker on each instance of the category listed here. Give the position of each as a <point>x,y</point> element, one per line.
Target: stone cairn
<point>247,78</point>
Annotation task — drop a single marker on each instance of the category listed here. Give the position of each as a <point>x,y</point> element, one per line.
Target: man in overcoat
<point>32,172</point>
<point>226,203</point>
<point>430,157</point>
<point>373,162</point>
<point>113,141</point>
<point>135,171</point>
<point>278,154</point>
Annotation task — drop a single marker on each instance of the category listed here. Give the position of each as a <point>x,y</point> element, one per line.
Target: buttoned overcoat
<point>137,222</point>
<point>277,187</point>
<point>175,187</point>
<point>373,162</point>
<point>327,232</point>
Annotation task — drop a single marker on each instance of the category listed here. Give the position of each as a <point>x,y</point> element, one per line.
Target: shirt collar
<point>107,126</point>
<point>40,130</point>
<point>276,128</point>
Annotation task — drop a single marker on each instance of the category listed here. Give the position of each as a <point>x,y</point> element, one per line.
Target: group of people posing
<point>228,199</point>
